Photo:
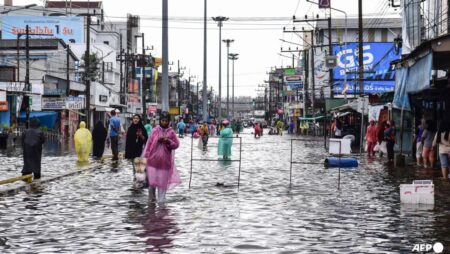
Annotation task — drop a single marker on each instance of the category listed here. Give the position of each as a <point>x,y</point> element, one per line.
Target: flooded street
<point>98,212</point>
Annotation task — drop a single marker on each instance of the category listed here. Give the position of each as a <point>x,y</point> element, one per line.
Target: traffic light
<point>254,102</point>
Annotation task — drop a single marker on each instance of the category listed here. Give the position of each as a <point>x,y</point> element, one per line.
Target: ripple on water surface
<point>97,212</point>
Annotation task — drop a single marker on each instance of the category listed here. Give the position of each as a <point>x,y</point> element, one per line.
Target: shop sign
<point>74,103</point>
<point>53,103</point>
<point>174,111</point>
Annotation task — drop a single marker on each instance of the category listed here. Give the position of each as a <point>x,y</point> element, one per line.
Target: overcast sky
<point>257,42</point>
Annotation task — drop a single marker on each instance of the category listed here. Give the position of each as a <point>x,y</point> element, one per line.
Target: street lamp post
<point>233,57</point>
<point>228,42</point>
<point>165,56</point>
<point>220,21</point>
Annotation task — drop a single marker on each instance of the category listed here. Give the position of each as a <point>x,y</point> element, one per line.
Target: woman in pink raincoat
<point>160,153</point>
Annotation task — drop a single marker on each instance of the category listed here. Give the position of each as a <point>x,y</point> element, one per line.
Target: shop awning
<point>412,79</point>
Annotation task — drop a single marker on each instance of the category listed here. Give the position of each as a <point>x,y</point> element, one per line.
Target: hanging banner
<point>379,76</point>
<point>3,102</point>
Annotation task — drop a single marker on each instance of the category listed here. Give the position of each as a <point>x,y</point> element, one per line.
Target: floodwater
<point>98,212</point>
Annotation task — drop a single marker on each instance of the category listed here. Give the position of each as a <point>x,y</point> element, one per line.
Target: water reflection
<point>159,227</point>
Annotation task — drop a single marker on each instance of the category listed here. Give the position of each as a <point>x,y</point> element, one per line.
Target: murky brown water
<point>96,212</point>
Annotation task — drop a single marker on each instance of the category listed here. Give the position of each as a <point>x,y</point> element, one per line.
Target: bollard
<point>28,178</point>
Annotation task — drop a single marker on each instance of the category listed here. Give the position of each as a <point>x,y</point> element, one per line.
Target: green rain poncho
<point>83,142</point>
<point>225,142</point>
<point>148,127</point>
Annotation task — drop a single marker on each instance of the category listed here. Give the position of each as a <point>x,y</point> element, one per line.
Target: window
<point>106,42</point>
<point>7,74</point>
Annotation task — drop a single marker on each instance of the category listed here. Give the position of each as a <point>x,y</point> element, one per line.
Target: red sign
<point>151,109</point>
<point>3,106</point>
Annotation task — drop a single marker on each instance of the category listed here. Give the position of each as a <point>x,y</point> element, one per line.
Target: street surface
<point>98,212</point>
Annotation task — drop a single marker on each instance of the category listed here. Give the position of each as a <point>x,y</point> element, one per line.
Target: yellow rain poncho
<point>83,142</point>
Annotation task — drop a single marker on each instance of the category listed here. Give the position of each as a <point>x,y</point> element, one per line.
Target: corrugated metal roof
<point>73,4</point>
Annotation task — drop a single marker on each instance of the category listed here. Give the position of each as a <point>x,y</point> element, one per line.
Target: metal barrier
<point>314,163</point>
<point>300,162</point>
<point>193,159</point>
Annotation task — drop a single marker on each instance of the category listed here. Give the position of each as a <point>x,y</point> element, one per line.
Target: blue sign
<point>379,76</point>
<point>70,29</point>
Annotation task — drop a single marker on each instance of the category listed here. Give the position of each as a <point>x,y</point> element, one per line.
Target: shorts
<point>428,153</point>
<point>419,150</point>
<point>445,159</point>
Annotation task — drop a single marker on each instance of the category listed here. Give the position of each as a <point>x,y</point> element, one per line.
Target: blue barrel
<point>335,162</point>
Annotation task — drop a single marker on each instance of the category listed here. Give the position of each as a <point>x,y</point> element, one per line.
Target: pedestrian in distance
<point>148,128</point>
<point>389,137</point>
<point>114,132</point>
<point>99,135</point>
<point>428,153</point>
<point>419,143</point>
<point>225,140</point>
<point>204,134</point>
<point>337,128</point>
<point>83,142</point>
<point>258,130</point>
<point>136,138</point>
<point>180,127</point>
<point>32,141</point>
<point>160,154</point>
<point>371,138</point>
<point>381,127</point>
<point>442,140</point>
<point>280,127</point>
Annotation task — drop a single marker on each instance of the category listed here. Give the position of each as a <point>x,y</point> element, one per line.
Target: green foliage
<point>44,128</point>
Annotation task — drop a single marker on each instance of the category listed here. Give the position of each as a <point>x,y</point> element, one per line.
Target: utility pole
<point>233,57</point>
<point>165,56</point>
<point>330,52</point>
<point>228,42</point>
<point>27,74</point>
<point>205,66</point>
<point>220,21</point>
<point>87,64</point>
<point>313,82</point>
<point>360,49</point>
<point>68,71</point>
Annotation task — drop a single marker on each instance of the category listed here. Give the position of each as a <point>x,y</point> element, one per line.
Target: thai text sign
<point>73,102</point>
<point>53,103</point>
<point>379,76</point>
<point>66,28</point>
<point>294,81</point>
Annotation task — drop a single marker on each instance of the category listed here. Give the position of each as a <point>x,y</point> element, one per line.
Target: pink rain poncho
<point>161,170</point>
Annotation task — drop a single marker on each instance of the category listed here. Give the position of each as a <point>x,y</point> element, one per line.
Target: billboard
<point>379,76</point>
<point>70,29</point>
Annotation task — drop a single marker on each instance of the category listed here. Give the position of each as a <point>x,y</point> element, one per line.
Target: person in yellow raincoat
<point>83,142</point>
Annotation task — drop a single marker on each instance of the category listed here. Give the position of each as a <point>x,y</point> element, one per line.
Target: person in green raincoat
<point>148,127</point>
<point>225,141</point>
<point>83,142</point>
